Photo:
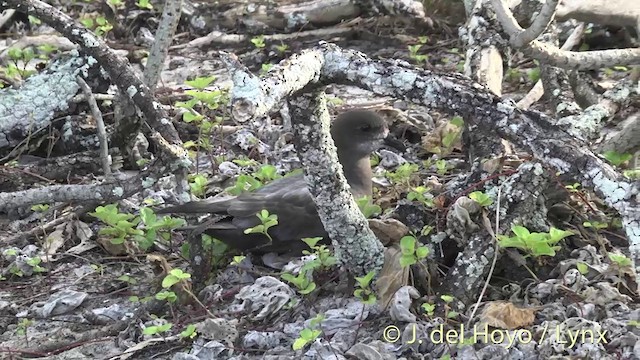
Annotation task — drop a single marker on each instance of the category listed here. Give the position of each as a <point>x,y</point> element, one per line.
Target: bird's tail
<point>213,206</point>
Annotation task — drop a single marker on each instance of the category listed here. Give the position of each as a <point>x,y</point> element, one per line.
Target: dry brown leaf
<point>111,248</point>
<point>161,262</point>
<point>440,201</point>
<point>388,230</point>
<point>53,242</point>
<point>434,183</point>
<point>84,234</point>
<point>387,200</point>
<point>83,231</point>
<point>507,316</point>
<point>492,166</point>
<point>433,141</point>
<point>392,277</point>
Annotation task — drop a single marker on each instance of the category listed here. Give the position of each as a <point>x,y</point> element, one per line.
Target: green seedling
<point>412,251</point>
<point>266,221</point>
<point>616,158</point>
<point>363,291</point>
<point>309,335</point>
<point>534,244</point>
<point>481,198</point>
<point>422,195</point>
<point>367,208</point>
<point>258,42</point>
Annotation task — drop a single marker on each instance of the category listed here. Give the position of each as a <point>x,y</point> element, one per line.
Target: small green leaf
<point>407,260</point>
<point>311,242</point>
<point>200,83</point>
<point>616,158</point>
<point>582,267</point>
<point>299,343</point>
<point>428,308</point>
<point>447,298</point>
<point>422,252</point>
<point>365,281</point>
<point>520,231</point>
<point>407,244</point>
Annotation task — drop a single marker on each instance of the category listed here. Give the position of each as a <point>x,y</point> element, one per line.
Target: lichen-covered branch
<point>604,12</point>
<point>409,8</point>
<point>291,16</point>
<point>556,57</point>
<point>623,138</point>
<point>110,190</point>
<point>520,206</point>
<point>254,97</point>
<point>558,91</point>
<point>32,106</point>
<point>356,246</point>
<point>117,67</point>
<point>589,124</point>
<point>163,38</point>
<point>484,48</point>
<point>519,37</point>
<point>298,14</point>
<point>105,159</point>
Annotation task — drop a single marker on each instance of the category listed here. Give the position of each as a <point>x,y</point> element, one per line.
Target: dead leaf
<point>161,262</point>
<point>507,316</point>
<point>111,248</point>
<point>460,212</point>
<point>387,200</point>
<point>83,231</point>
<point>439,201</point>
<point>433,142</point>
<point>434,183</point>
<point>84,234</point>
<point>492,166</point>
<point>392,277</point>
<point>53,242</point>
<point>133,351</point>
<point>388,230</point>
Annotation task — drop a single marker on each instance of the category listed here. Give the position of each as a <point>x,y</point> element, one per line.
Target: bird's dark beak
<point>392,142</point>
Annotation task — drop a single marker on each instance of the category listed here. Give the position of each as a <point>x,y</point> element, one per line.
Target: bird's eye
<point>366,128</point>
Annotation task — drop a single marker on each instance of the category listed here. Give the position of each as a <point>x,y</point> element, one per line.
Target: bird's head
<point>359,132</point>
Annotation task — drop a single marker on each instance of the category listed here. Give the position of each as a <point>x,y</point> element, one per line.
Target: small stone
<point>389,159</point>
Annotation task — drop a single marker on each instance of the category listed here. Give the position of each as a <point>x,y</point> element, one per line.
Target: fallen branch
<point>556,57</point>
<point>117,67</point>
<point>105,159</point>
<point>110,190</point>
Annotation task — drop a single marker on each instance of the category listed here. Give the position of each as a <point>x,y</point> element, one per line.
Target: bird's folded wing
<point>296,211</point>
